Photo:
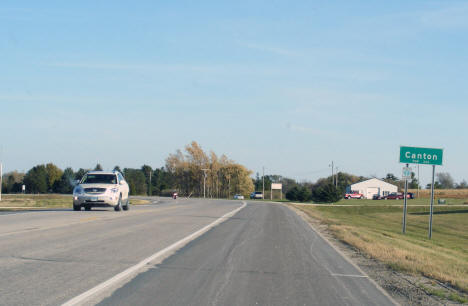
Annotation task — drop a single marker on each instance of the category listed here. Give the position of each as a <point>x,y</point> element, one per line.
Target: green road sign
<point>426,156</point>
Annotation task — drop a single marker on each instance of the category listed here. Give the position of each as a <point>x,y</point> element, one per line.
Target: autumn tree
<point>224,177</point>
<point>12,182</point>
<point>54,174</point>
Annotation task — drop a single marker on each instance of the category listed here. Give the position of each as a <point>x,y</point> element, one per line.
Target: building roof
<point>376,180</point>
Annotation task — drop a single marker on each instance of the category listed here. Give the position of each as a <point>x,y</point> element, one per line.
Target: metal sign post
<point>432,202</point>
<point>406,176</point>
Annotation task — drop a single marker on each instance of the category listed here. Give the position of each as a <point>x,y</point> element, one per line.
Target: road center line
<point>80,299</point>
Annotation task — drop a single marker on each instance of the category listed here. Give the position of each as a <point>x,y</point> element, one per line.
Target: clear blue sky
<point>289,85</point>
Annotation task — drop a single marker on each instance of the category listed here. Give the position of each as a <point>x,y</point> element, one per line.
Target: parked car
<point>377,197</point>
<point>354,195</point>
<point>394,196</point>
<point>256,195</point>
<point>101,189</point>
<point>238,197</point>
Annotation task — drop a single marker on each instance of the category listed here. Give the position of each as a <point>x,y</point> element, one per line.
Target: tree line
<point>190,173</point>
<point>194,172</point>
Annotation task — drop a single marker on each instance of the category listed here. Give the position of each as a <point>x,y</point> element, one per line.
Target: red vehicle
<point>395,196</point>
<point>354,195</point>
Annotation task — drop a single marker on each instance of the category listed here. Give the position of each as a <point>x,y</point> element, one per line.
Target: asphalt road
<point>264,254</point>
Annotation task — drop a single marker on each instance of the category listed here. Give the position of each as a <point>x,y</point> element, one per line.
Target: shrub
<point>326,194</point>
<point>301,194</point>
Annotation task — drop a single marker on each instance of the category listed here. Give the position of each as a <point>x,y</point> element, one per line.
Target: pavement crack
<point>43,259</point>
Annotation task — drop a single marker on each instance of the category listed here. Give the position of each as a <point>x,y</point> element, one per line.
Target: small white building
<point>372,187</point>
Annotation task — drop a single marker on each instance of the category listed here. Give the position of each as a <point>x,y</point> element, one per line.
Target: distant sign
<point>426,156</point>
<point>406,173</point>
<point>276,186</point>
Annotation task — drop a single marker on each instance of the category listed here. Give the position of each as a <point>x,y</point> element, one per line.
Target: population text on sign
<point>426,156</point>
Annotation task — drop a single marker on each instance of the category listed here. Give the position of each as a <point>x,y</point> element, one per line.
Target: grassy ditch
<point>376,231</point>
<point>50,201</point>
<point>28,201</point>
<point>139,202</point>
<point>411,202</point>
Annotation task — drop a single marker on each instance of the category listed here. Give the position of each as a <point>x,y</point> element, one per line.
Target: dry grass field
<point>28,201</point>
<point>47,201</point>
<point>442,193</point>
<point>376,230</point>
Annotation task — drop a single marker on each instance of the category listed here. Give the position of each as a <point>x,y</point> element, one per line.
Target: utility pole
<point>336,181</point>
<point>204,181</point>
<point>405,204</point>
<point>332,176</point>
<point>263,182</point>
<point>150,193</point>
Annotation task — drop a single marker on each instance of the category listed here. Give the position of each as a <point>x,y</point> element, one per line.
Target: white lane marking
<point>80,299</point>
<point>349,275</point>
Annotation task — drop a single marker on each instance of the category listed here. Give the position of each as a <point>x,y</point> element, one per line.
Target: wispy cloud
<point>449,17</point>
<point>306,130</point>
<point>89,65</point>
<point>151,67</point>
<point>271,49</point>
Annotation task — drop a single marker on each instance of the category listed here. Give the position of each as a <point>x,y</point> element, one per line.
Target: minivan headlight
<point>114,190</point>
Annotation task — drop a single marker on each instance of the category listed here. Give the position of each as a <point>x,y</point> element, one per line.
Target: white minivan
<point>101,189</point>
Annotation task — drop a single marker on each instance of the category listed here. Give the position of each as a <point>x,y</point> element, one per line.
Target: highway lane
<point>265,255</point>
<point>48,257</point>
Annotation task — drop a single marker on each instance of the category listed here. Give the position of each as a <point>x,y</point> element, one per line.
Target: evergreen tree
<point>36,180</point>
<point>66,182</point>
<point>326,194</point>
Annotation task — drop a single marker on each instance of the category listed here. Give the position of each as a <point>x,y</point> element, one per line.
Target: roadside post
<point>425,156</point>
<point>432,203</point>
<point>406,176</point>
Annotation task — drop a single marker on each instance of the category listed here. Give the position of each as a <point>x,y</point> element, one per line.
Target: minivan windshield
<point>99,179</point>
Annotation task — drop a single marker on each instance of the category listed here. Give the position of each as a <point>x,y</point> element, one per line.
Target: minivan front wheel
<point>127,205</point>
<point>118,207</point>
